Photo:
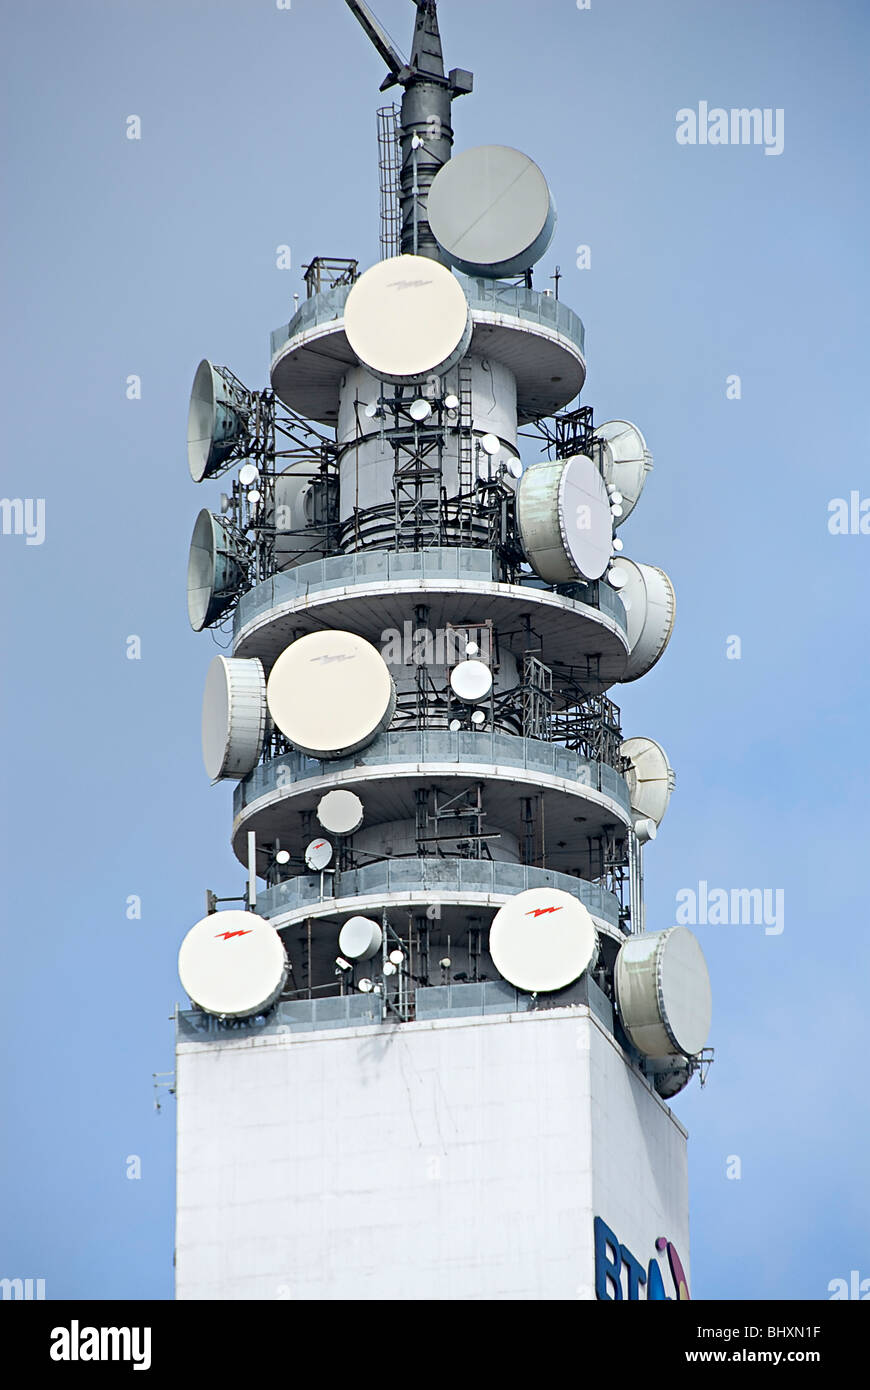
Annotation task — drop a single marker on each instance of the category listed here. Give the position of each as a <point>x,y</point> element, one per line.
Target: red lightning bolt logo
<point>539,911</point>
<point>227,935</point>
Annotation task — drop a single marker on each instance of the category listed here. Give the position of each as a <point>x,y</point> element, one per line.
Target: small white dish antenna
<point>651,608</point>
<point>340,812</point>
<point>360,938</point>
<point>617,545</point>
<point>234,717</point>
<point>233,964</point>
<point>396,957</point>
<point>455,726</point>
<point>249,474</point>
<point>217,421</point>
<point>420,410</point>
<point>254,498</point>
<point>451,402</point>
<point>331,693</point>
<point>471,681</point>
<point>650,778</point>
<point>318,855</point>
<point>389,968</point>
<point>515,468</point>
<point>490,444</point>
<point>663,993</point>
<point>542,940</point>
<point>645,829</point>
<point>472,649</point>
<point>216,570</point>
<point>365,986</point>
<point>225,504</point>
<point>282,857</point>
<point>625,462</point>
<point>407,318</point>
<point>478,717</point>
<point>617,578</point>
<point>371,411</point>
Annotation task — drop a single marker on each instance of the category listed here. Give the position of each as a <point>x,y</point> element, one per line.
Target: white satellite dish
<point>217,421</point>
<point>216,570</point>
<point>340,812</point>
<point>471,681</point>
<point>455,726</point>
<point>490,444</point>
<point>651,606</point>
<point>420,410</point>
<point>663,993</point>
<point>233,964</point>
<point>491,211</point>
<point>318,855</point>
<point>331,693</point>
<point>248,474</point>
<point>542,940</point>
<point>451,402</point>
<point>625,463</point>
<point>282,857</point>
<point>478,717</point>
<point>234,717</point>
<point>617,578</point>
<point>563,513</point>
<point>650,778</point>
<point>515,468</point>
<point>360,939</point>
<point>407,318</point>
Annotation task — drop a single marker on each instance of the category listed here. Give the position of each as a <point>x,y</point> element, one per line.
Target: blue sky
<point>140,257</point>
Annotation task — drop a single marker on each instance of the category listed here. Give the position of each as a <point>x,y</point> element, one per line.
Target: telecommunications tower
<point>429,1049</point>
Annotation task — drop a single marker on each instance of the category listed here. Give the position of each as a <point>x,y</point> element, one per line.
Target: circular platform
<point>580,797</point>
<point>378,593</point>
<point>540,339</point>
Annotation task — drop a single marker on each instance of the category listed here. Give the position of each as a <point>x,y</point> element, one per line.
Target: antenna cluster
<point>460,804</point>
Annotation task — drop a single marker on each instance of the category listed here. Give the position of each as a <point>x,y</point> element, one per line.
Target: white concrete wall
<point>453,1159</point>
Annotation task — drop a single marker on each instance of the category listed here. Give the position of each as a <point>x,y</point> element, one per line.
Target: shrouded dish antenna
<point>471,681</point>
<point>650,778</point>
<point>407,318</point>
<point>331,693</point>
<point>360,939</point>
<point>663,993</point>
<point>233,964</point>
<point>234,717</point>
<point>340,812</point>
<point>563,513</point>
<point>216,570</point>
<point>217,421</point>
<point>542,940</point>
<point>491,211</point>
<point>651,609</point>
<point>625,462</point>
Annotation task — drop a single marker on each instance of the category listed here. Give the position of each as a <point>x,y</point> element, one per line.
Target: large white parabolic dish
<point>626,462</point>
<point>542,940</point>
<point>491,211</point>
<point>564,519</point>
<point>233,964</point>
<point>217,421</point>
<point>216,569</point>
<point>407,318</point>
<point>234,717</point>
<point>651,608</point>
<point>650,778</point>
<point>331,693</point>
<point>663,993</point>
